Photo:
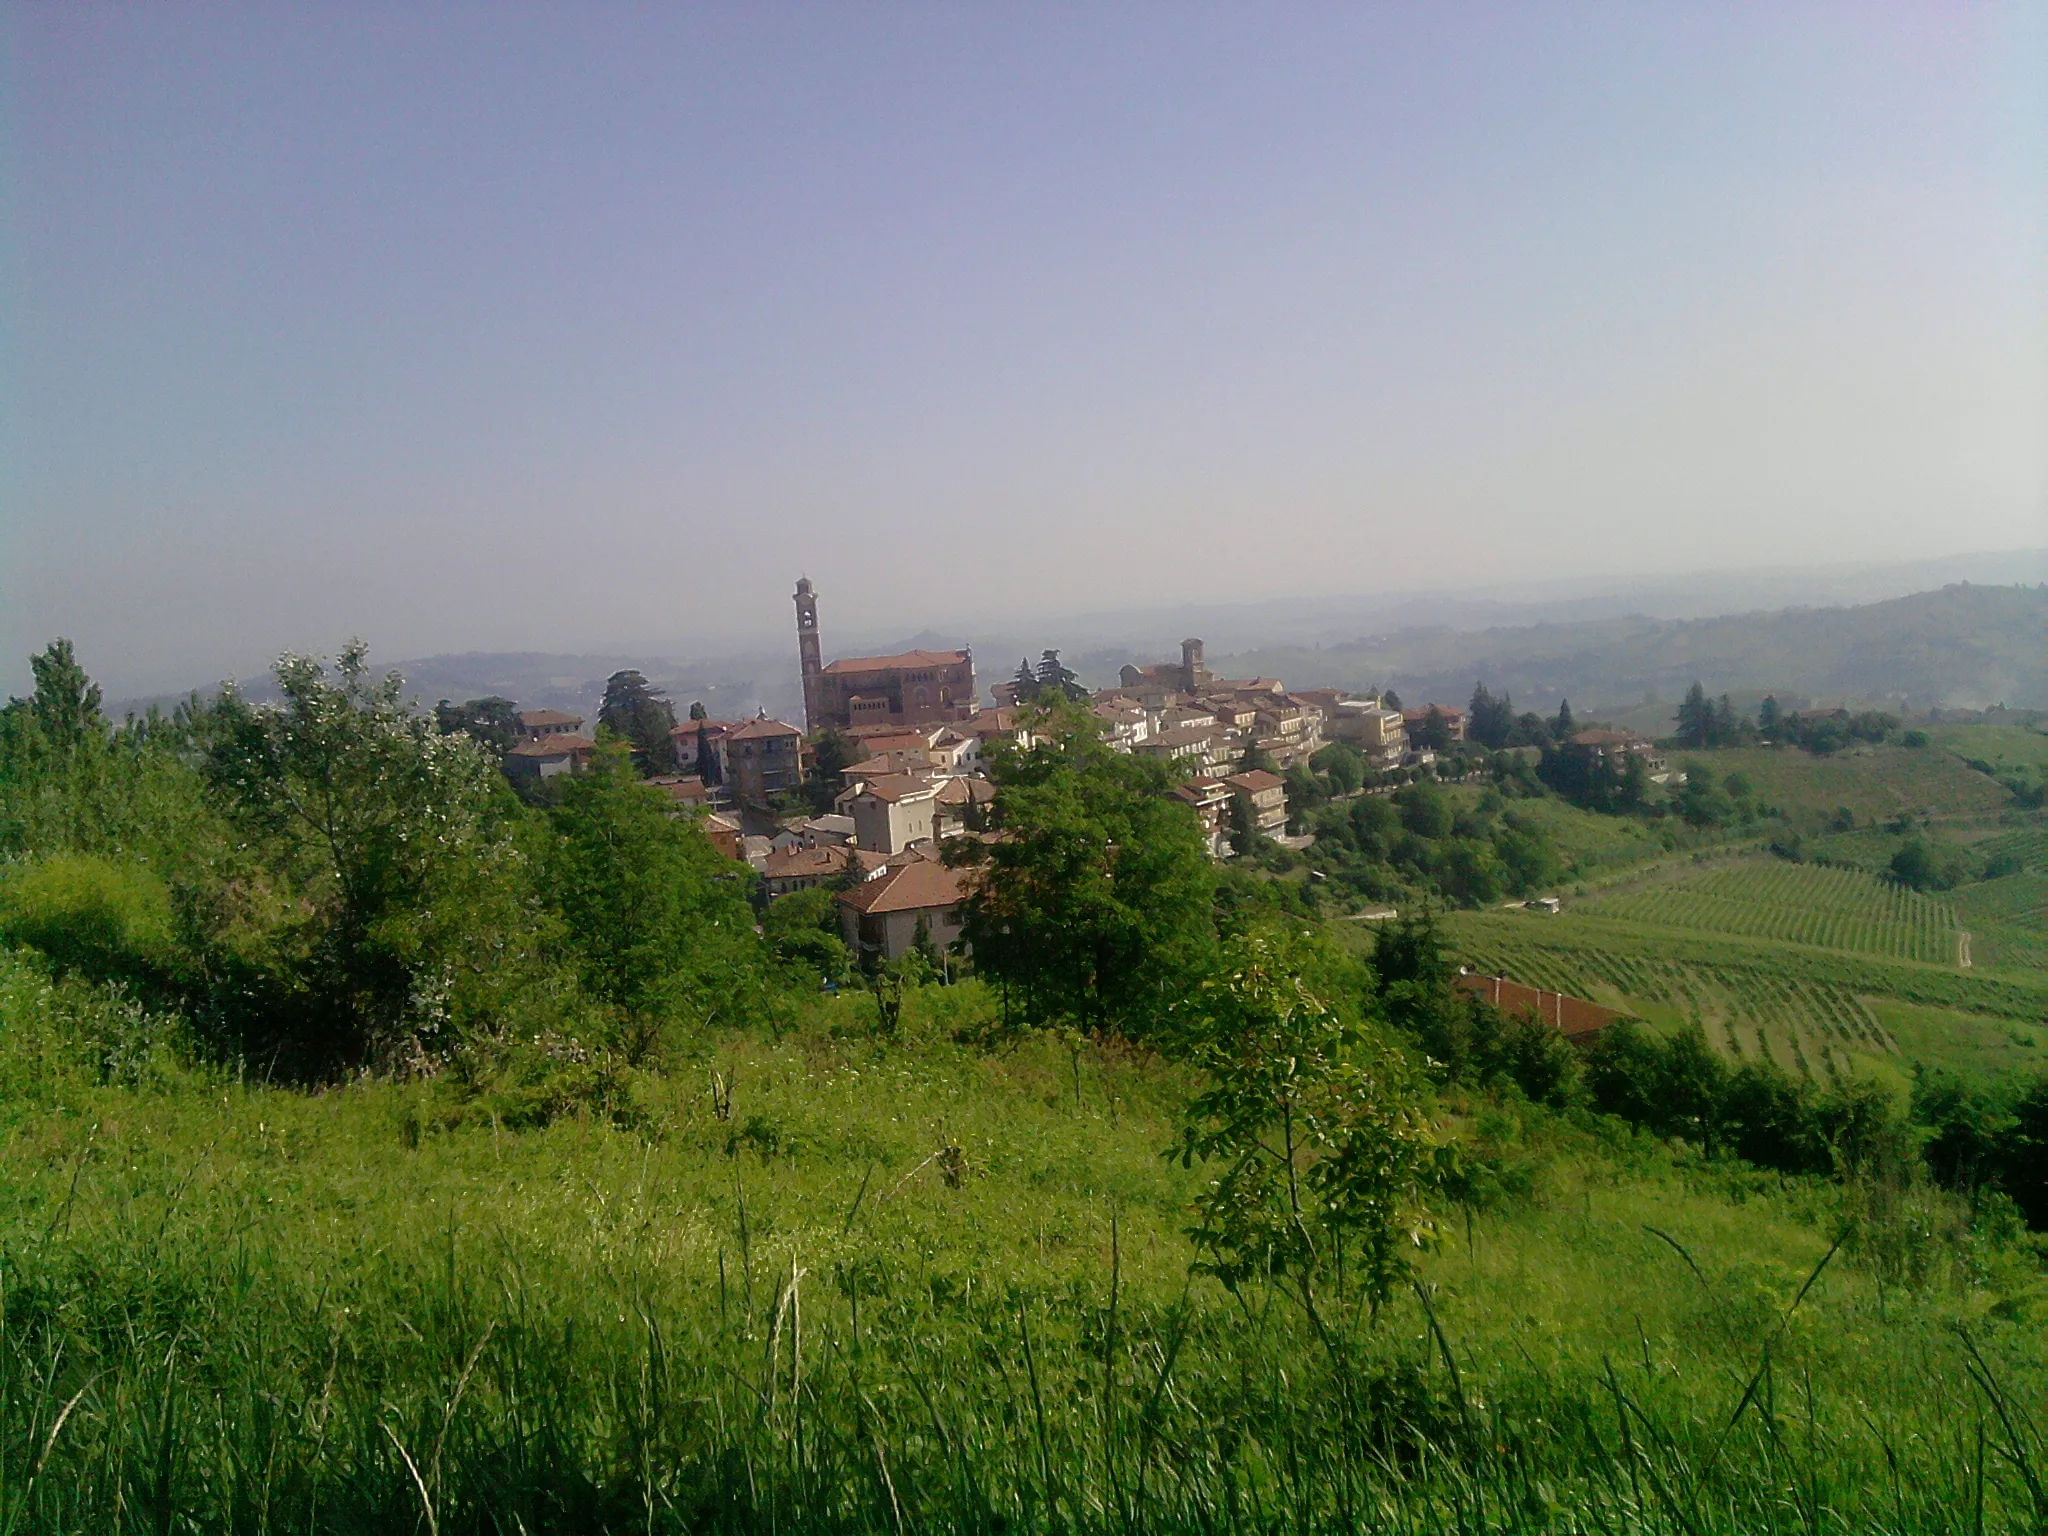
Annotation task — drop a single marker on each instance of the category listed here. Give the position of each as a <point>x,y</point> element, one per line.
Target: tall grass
<point>906,1286</point>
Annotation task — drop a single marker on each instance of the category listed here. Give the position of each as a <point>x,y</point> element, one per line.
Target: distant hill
<point>1961,646</point>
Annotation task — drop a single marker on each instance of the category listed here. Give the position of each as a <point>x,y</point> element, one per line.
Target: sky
<point>482,327</point>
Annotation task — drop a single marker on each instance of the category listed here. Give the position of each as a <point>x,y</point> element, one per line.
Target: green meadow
<point>834,1281</point>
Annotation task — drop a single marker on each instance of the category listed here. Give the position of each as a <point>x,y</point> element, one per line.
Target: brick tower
<point>808,653</point>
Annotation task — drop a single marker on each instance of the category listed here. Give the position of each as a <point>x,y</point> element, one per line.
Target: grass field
<point>2003,746</point>
<point>1876,783</point>
<point>229,1308</point>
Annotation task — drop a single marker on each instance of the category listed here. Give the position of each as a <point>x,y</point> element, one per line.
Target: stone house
<point>891,812</point>
<point>764,757</point>
<point>880,916</point>
<point>549,757</point>
<point>1264,796</point>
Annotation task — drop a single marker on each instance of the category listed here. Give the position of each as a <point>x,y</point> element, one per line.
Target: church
<point>915,688</point>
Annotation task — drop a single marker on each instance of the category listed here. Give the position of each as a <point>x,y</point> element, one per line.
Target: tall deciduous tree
<point>492,723</point>
<point>1095,905</point>
<point>657,919</point>
<point>394,891</point>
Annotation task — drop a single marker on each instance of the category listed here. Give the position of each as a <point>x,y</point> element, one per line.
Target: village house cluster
<point>920,732</point>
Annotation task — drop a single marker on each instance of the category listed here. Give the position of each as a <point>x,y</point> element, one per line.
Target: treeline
<point>333,884</point>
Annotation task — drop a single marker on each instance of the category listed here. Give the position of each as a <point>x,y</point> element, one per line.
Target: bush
<point>91,917</point>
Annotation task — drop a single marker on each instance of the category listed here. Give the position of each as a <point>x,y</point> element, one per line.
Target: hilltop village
<point>889,765</point>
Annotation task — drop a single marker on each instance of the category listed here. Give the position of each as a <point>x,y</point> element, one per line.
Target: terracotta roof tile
<point>909,659</point>
<point>912,887</point>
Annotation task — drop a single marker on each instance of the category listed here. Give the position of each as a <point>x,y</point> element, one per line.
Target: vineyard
<point>2028,844</point>
<point>1804,1008</point>
<point>1842,909</point>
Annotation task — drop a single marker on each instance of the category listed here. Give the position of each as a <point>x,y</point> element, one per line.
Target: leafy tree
<point>1925,866</point>
<point>1467,872</point>
<point>1488,720</point>
<point>1563,728</point>
<point>1701,802</point>
<point>656,918</point>
<point>640,716</point>
<point>492,723</point>
<point>832,753</point>
<point>698,711</point>
<point>1341,765</point>
<point>1095,904</point>
<point>1324,1149</point>
<point>1770,717</point>
<point>802,931</point>
<point>1527,855</point>
<point>1425,809</point>
<point>1390,699</point>
<point>1434,733</point>
<point>1024,686</point>
<point>1304,794</point>
<point>1374,826</point>
<point>382,916</point>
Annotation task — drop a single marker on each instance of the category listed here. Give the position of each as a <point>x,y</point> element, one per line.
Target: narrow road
<point>1963,948</point>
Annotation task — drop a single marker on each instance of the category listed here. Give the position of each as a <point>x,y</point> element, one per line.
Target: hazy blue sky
<point>498,326</point>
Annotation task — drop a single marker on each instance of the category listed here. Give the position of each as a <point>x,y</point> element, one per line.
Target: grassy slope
<point>1875,782</point>
<point>363,1304</point>
<point>2003,746</point>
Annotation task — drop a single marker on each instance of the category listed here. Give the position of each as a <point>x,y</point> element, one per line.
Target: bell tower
<point>808,653</point>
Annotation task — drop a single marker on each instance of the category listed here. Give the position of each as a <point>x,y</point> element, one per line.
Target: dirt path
<point>1963,948</point>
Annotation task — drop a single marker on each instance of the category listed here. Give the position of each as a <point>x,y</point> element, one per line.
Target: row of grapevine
<point>1797,904</point>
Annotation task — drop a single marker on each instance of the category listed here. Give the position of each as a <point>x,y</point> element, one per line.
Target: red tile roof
<point>912,887</point>
<point>896,786</point>
<point>903,662</point>
<point>547,719</point>
<point>554,746</point>
<point>1255,780</point>
<point>754,729</point>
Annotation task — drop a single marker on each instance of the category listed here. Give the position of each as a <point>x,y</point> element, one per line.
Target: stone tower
<point>808,653</point>
<point>1194,676</point>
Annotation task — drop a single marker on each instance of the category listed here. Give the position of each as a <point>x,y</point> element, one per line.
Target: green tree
<point>387,894</point>
<point>1055,678</point>
<point>641,717</point>
<point>1695,718</point>
<point>832,753</point>
<point>66,703</point>
<point>1318,1130</point>
<point>1490,721</point>
<point>656,918</point>
<point>1564,727</point>
<point>1341,765</point>
<point>1390,699</point>
<point>1526,854</point>
<point>1094,907</point>
<point>1425,809</point>
<point>492,723</point>
<point>1434,733</point>
<point>1770,717</point>
<point>802,931</point>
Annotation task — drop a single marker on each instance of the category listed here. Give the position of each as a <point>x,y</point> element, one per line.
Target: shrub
<point>91,917</point>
